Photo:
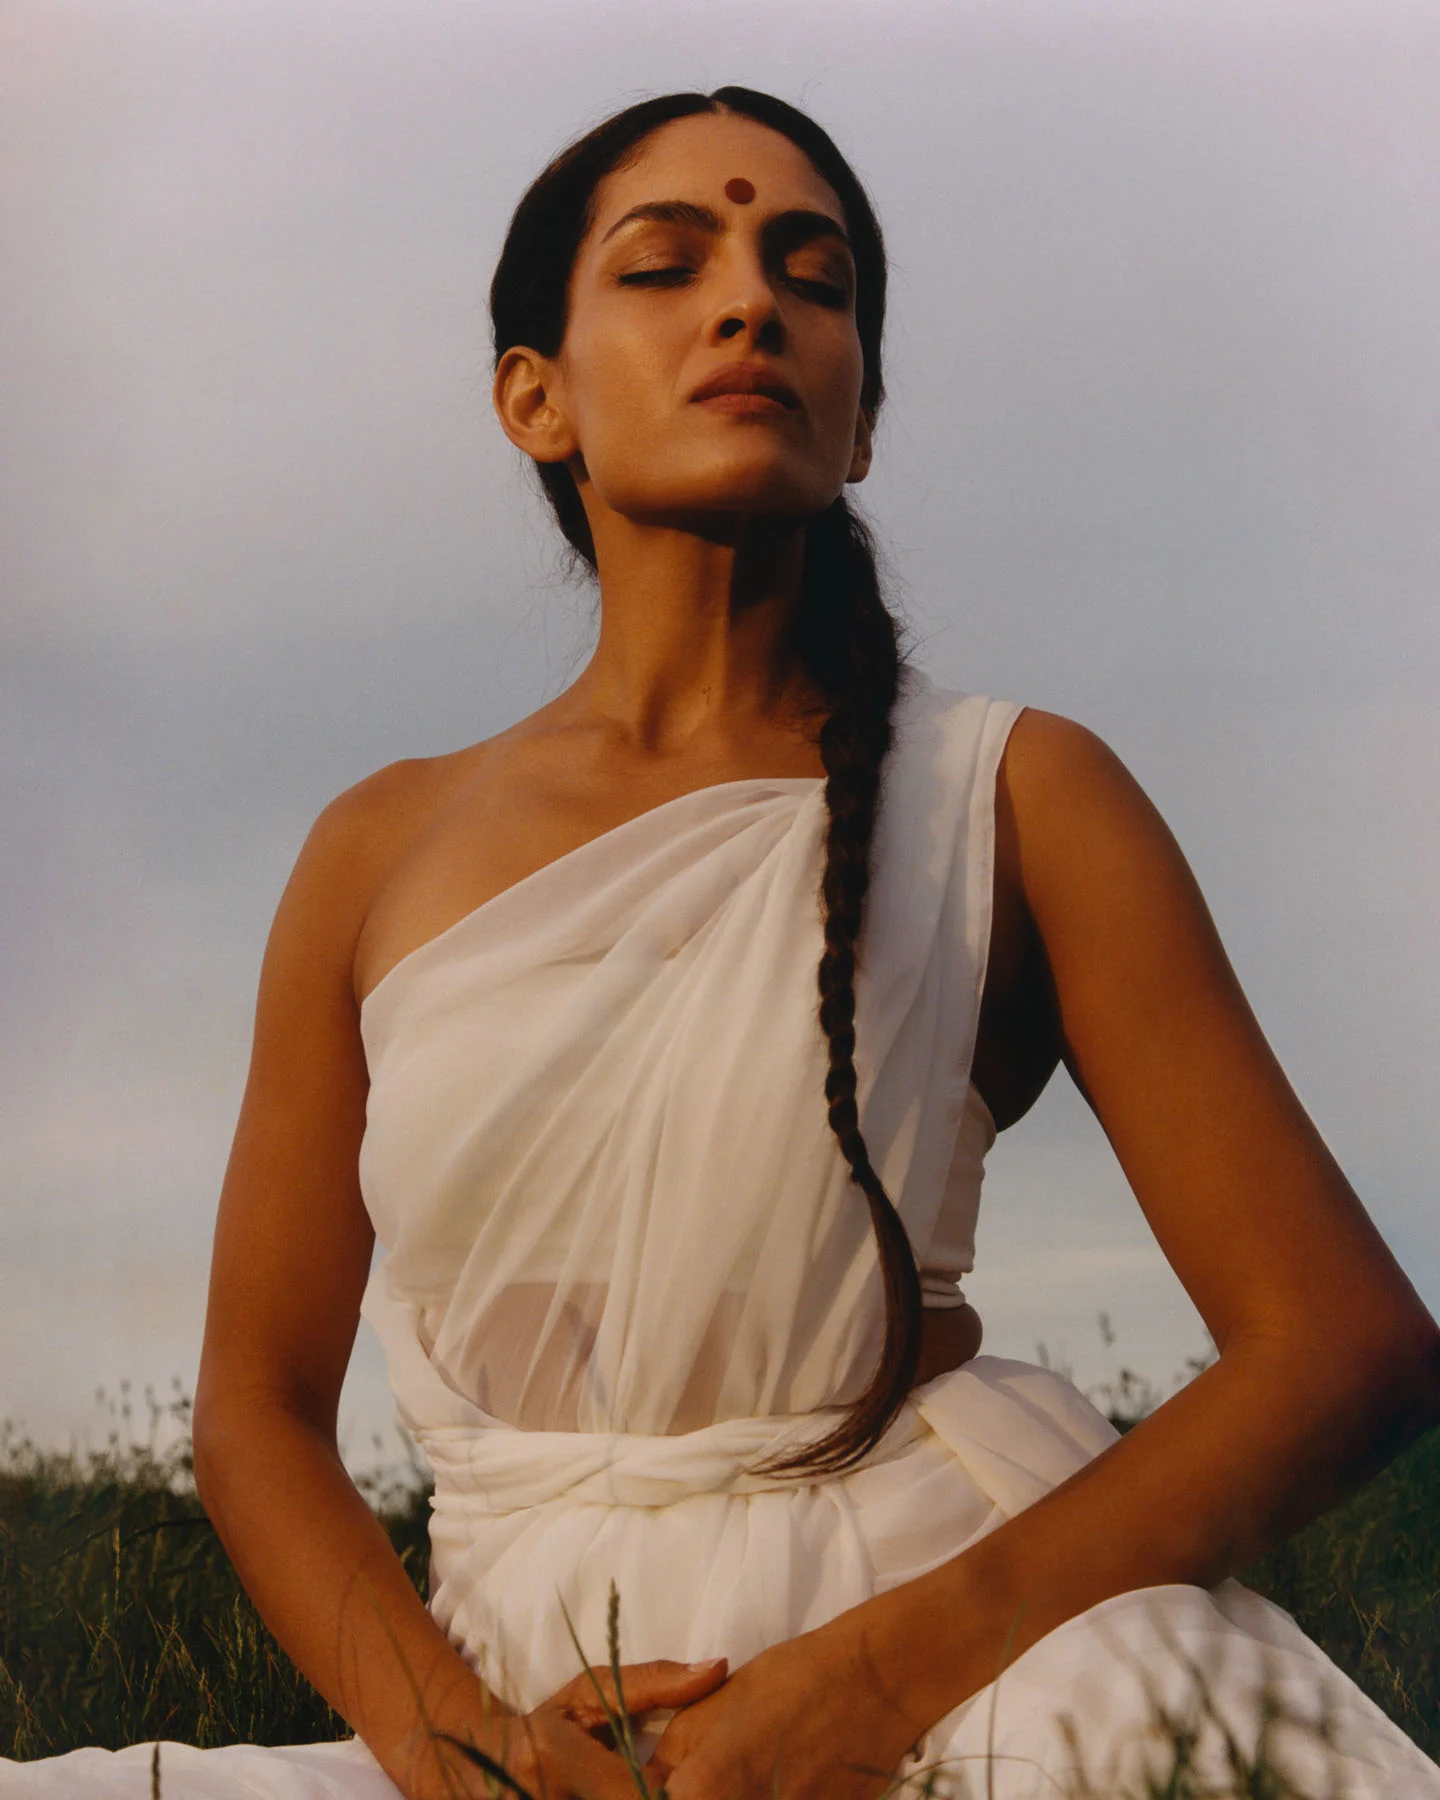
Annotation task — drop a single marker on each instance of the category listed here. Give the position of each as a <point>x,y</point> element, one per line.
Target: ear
<point>864,446</point>
<point>527,398</point>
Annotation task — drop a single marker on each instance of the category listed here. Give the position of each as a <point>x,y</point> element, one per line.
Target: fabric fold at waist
<point>1018,1431</point>
<point>499,1469</point>
<point>531,1528</point>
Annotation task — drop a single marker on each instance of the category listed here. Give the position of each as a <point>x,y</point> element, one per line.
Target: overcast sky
<point>1162,452</point>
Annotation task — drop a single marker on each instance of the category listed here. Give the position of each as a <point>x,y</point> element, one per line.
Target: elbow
<point>237,1426</point>
<point>1402,1368</point>
<point>212,1451</point>
<point>1425,1363</point>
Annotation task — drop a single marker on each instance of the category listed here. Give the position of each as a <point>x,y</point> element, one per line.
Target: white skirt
<point>711,1561</point>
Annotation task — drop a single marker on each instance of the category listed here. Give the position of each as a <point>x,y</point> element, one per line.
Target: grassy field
<point>121,1620</point>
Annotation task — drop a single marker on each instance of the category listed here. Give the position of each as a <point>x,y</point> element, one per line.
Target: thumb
<point>654,1684</point>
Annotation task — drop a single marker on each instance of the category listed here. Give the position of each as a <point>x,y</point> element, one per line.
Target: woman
<point>541,1015</point>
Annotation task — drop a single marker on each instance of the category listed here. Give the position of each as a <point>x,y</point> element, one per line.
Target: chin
<point>761,485</point>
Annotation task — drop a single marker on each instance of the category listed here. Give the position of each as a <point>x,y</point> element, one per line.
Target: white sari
<point>625,1261</point>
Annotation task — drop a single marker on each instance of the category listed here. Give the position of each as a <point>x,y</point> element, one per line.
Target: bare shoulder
<point>1051,763</point>
<point>1061,793</point>
<point>1075,825</point>
<point>1069,816</point>
<point>372,823</point>
<point>357,842</point>
<point>1096,911</point>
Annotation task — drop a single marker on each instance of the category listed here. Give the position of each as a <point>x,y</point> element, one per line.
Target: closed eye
<point>671,276</point>
<point>824,293</point>
<point>821,293</point>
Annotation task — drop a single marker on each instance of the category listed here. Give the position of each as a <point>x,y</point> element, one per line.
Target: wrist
<point>931,1643</point>
<point>866,1655</point>
<point>428,1754</point>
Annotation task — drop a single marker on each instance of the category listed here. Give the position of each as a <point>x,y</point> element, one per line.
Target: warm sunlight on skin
<point>707,395</point>
<point>662,299</point>
<point>678,289</point>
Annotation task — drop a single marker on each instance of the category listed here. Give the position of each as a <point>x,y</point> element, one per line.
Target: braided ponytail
<point>846,640</point>
<point>849,645</point>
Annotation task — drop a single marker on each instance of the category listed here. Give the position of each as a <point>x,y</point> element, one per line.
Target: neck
<point>695,629</point>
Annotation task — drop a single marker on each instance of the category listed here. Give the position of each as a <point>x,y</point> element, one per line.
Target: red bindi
<point>741,191</point>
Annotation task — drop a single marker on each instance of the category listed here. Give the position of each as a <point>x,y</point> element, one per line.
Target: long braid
<point>846,639</point>
<point>849,644</point>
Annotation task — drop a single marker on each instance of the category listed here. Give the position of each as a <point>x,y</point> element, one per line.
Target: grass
<point>1363,1581</point>
<point>121,1620</point>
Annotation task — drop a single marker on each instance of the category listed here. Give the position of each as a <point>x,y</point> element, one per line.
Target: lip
<point>747,388</point>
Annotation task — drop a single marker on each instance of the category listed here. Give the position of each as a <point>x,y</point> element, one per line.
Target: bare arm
<point>292,1255</point>
<point>1328,1361</point>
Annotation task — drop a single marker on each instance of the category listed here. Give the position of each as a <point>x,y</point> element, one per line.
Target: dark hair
<point>845,637</point>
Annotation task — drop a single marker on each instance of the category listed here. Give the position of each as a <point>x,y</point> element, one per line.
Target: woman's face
<point>710,361</point>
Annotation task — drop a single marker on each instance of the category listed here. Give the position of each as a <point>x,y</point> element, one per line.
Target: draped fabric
<point>597,1153</point>
<point>623,1262</point>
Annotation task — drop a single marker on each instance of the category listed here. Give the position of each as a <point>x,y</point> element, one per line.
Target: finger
<point>558,1760</point>
<point>644,1685</point>
<point>674,1744</point>
<point>672,1747</point>
<point>589,1771</point>
<point>653,1684</point>
<point>659,1767</point>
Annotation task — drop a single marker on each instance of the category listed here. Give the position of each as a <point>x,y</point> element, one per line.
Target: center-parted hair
<point>846,640</point>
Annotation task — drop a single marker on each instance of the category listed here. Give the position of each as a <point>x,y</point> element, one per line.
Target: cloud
<point>1164,372</point>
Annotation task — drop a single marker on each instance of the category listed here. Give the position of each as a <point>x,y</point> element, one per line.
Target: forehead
<point>692,159</point>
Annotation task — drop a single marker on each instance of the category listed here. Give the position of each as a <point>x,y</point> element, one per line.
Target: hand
<point>560,1751</point>
<point>808,1719</point>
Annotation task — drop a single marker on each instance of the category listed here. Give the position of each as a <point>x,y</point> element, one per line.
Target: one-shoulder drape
<point>597,1152</point>
<point>623,1260</point>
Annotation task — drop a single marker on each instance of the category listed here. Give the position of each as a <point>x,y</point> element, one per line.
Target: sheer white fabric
<point>597,1151</point>
<point>624,1262</point>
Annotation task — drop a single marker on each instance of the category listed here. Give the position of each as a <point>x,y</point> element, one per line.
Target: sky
<point>1161,452</point>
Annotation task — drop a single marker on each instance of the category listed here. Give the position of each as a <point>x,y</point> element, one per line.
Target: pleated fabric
<point>624,1262</point>
<point>597,1153</point>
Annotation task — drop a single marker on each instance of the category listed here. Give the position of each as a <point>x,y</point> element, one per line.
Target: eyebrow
<point>797,227</point>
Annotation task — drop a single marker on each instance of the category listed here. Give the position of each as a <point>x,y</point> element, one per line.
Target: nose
<point>765,333</point>
<point>758,326</point>
<point>749,311</point>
